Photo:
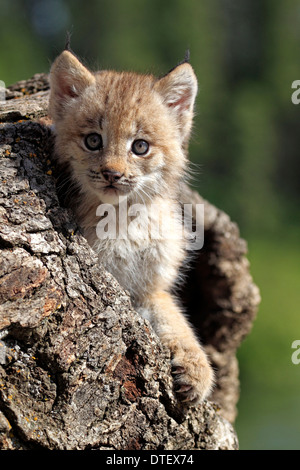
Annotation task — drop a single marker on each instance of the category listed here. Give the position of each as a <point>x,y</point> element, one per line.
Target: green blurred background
<point>246,139</point>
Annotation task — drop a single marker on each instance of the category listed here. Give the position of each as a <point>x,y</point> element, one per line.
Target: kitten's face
<point>118,131</point>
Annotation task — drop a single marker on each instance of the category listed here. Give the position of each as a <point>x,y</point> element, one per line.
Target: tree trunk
<point>79,369</point>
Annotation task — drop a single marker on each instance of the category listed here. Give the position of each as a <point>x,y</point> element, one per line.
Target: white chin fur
<point>110,196</point>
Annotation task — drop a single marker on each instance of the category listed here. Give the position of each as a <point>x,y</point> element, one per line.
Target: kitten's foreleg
<point>193,375</point>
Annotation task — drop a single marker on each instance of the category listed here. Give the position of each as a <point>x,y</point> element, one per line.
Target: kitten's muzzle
<point>112,176</point>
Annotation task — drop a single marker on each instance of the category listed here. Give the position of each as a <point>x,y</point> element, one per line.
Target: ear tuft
<point>68,42</point>
<point>187,56</point>
<point>68,79</point>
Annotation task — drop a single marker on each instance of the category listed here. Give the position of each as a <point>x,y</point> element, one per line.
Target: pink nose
<point>112,176</point>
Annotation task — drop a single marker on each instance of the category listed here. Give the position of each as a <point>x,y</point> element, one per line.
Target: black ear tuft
<point>186,60</point>
<point>68,42</point>
<point>187,56</point>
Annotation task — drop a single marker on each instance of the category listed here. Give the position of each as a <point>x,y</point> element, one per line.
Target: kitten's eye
<point>140,147</point>
<point>93,141</point>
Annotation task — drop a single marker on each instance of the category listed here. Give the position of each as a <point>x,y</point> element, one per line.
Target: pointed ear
<point>68,79</point>
<point>179,89</point>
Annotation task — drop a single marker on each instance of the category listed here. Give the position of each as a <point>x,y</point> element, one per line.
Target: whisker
<point>140,195</point>
<point>141,189</point>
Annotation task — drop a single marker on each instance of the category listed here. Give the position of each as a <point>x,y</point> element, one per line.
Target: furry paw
<point>193,376</point>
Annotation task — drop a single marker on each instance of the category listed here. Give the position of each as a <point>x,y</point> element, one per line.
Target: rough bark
<point>79,369</point>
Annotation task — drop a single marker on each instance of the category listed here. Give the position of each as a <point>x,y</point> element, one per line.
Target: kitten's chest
<point>133,263</point>
<point>140,252</point>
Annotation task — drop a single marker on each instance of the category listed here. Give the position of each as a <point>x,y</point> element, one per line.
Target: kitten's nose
<point>112,176</point>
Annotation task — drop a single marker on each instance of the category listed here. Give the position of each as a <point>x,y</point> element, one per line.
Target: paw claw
<point>178,370</point>
<point>193,381</point>
<point>184,388</point>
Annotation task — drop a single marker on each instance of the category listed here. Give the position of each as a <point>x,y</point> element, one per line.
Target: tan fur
<point>123,107</point>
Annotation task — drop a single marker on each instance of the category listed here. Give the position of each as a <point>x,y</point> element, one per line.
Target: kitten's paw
<point>193,376</point>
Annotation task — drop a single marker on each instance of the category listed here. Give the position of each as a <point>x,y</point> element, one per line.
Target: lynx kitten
<point>124,137</point>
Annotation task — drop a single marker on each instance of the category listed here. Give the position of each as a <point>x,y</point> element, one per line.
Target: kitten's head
<point>122,133</point>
